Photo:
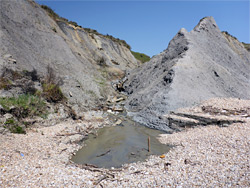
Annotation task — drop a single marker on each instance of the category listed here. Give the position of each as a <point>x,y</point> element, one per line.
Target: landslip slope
<point>86,62</point>
<point>197,65</point>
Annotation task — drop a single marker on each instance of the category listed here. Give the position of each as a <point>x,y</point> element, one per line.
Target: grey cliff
<point>87,63</point>
<point>196,66</point>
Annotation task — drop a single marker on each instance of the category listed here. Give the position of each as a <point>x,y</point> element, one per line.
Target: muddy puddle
<point>115,146</point>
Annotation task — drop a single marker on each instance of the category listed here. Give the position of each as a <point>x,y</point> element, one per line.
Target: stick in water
<point>148,143</point>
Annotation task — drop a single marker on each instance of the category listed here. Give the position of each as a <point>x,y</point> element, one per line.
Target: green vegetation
<point>7,76</point>
<point>56,17</point>
<point>122,42</point>
<point>54,29</point>
<point>51,89</point>
<point>247,46</point>
<point>24,106</point>
<point>100,82</point>
<point>5,83</point>
<point>30,104</point>
<point>141,57</point>
<point>52,13</point>
<point>13,126</point>
<point>52,92</point>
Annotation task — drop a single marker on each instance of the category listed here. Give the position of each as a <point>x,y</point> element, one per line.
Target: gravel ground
<point>209,156</point>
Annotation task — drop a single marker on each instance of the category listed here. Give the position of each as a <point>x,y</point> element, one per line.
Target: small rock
<point>118,122</point>
<point>166,165</point>
<point>114,99</point>
<point>119,99</point>
<point>8,116</point>
<point>110,111</point>
<point>117,109</point>
<point>7,56</point>
<point>11,60</point>
<point>2,130</point>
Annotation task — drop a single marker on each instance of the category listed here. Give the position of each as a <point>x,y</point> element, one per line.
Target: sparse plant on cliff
<point>121,42</point>
<point>73,23</point>
<point>247,46</point>
<point>51,87</point>
<point>51,12</point>
<point>5,83</point>
<point>56,17</point>
<point>225,32</point>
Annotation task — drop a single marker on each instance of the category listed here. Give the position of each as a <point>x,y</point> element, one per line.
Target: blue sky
<point>148,26</point>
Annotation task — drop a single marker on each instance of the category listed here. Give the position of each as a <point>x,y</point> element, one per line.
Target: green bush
<point>52,92</point>
<point>141,57</point>
<point>5,83</point>
<point>24,106</point>
<point>13,126</point>
<point>51,89</point>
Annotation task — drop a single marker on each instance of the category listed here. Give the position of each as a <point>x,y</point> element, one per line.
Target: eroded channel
<point>115,146</point>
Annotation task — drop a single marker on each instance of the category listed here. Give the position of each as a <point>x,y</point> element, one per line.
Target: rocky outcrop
<point>196,66</point>
<point>86,62</point>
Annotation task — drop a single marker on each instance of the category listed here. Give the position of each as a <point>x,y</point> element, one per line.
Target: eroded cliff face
<point>196,66</point>
<point>87,63</point>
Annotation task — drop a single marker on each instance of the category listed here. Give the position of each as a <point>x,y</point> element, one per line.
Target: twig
<point>63,150</point>
<point>136,172</point>
<point>99,181</point>
<point>103,153</point>
<point>70,134</point>
<point>94,169</point>
<point>148,143</point>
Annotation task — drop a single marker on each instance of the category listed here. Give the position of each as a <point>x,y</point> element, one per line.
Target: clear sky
<point>148,26</point>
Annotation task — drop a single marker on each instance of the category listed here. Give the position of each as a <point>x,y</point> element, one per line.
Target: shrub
<point>54,29</point>
<point>7,76</point>
<point>10,74</point>
<point>51,89</point>
<point>32,74</point>
<point>101,62</point>
<point>13,126</point>
<point>52,92</point>
<point>5,83</point>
